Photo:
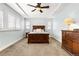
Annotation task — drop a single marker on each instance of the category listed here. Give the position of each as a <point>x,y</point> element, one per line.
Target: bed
<point>38,36</point>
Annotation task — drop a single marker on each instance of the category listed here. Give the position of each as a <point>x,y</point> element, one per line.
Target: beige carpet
<point>22,48</point>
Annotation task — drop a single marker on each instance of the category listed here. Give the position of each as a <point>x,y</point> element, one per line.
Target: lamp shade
<point>68,21</point>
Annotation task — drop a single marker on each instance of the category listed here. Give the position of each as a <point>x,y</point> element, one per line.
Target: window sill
<point>9,30</point>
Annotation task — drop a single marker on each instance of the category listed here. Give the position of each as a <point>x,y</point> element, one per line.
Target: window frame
<point>2,25</point>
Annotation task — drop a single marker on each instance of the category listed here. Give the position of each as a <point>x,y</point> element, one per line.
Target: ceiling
<point>25,10</point>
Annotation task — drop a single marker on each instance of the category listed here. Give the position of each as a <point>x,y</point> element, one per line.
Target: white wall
<point>8,38</point>
<point>43,21</point>
<point>71,10</point>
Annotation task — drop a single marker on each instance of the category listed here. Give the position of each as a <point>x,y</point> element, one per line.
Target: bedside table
<point>27,34</point>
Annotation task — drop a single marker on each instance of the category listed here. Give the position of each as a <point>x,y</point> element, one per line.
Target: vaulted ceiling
<point>25,10</point>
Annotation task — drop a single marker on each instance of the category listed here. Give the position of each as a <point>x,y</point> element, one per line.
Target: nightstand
<point>27,34</point>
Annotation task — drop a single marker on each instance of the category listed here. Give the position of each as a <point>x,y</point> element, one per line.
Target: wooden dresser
<point>70,41</point>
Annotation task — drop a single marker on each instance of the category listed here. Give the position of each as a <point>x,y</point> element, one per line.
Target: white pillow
<point>42,30</point>
<point>38,30</point>
<point>34,30</point>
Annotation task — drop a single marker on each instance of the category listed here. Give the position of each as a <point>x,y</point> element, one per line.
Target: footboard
<point>38,38</point>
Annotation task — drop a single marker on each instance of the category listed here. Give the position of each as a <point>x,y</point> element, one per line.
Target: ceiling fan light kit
<point>38,9</point>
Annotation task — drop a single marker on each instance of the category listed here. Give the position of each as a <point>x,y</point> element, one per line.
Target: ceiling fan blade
<point>45,7</point>
<point>33,10</point>
<point>31,5</point>
<point>41,11</point>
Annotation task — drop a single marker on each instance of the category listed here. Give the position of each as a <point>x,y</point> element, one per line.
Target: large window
<point>27,25</point>
<point>18,23</point>
<point>11,21</point>
<point>1,19</point>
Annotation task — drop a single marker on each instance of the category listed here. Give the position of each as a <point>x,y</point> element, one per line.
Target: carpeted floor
<point>22,48</point>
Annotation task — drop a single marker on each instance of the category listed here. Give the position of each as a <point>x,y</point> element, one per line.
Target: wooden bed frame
<point>38,27</point>
<point>38,38</point>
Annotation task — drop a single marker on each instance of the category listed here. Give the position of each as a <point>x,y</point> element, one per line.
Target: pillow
<point>38,30</point>
<point>42,30</point>
<point>34,30</point>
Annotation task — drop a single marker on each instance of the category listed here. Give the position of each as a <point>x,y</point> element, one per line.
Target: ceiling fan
<point>38,7</point>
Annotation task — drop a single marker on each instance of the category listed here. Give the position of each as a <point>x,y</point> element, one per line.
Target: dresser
<point>70,42</point>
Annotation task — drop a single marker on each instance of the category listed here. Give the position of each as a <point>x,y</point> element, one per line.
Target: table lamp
<point>68,21</point>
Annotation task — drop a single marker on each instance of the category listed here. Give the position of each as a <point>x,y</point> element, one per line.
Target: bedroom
<point>18,20</point>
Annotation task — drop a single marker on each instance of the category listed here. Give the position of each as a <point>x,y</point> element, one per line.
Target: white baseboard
<point>8,45</point>
<point>53,36</point>
<point>57,39</point>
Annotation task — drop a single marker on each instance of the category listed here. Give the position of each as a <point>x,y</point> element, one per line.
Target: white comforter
<point>38,33</point>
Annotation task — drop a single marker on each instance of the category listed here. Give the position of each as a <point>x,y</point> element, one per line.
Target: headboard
<point>39,27</point>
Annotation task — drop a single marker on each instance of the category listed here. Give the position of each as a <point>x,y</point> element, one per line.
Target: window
<point>22,24</point>
<point>17,23</point>
<point>27,25</point>
<point>49,25</point>
<point>11,21</point>
<point>1,19</point>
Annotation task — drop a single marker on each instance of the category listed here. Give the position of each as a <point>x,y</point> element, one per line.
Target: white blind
<point>18,23</point>
<point>27,25</point>
<point>1,19</point>
<point>11,21</point>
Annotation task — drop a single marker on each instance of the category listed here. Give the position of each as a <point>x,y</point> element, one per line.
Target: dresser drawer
<point>75,48</point>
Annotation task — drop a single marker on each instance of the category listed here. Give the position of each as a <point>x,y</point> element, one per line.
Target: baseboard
<point>56,40</point>
<point>8,45</point>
